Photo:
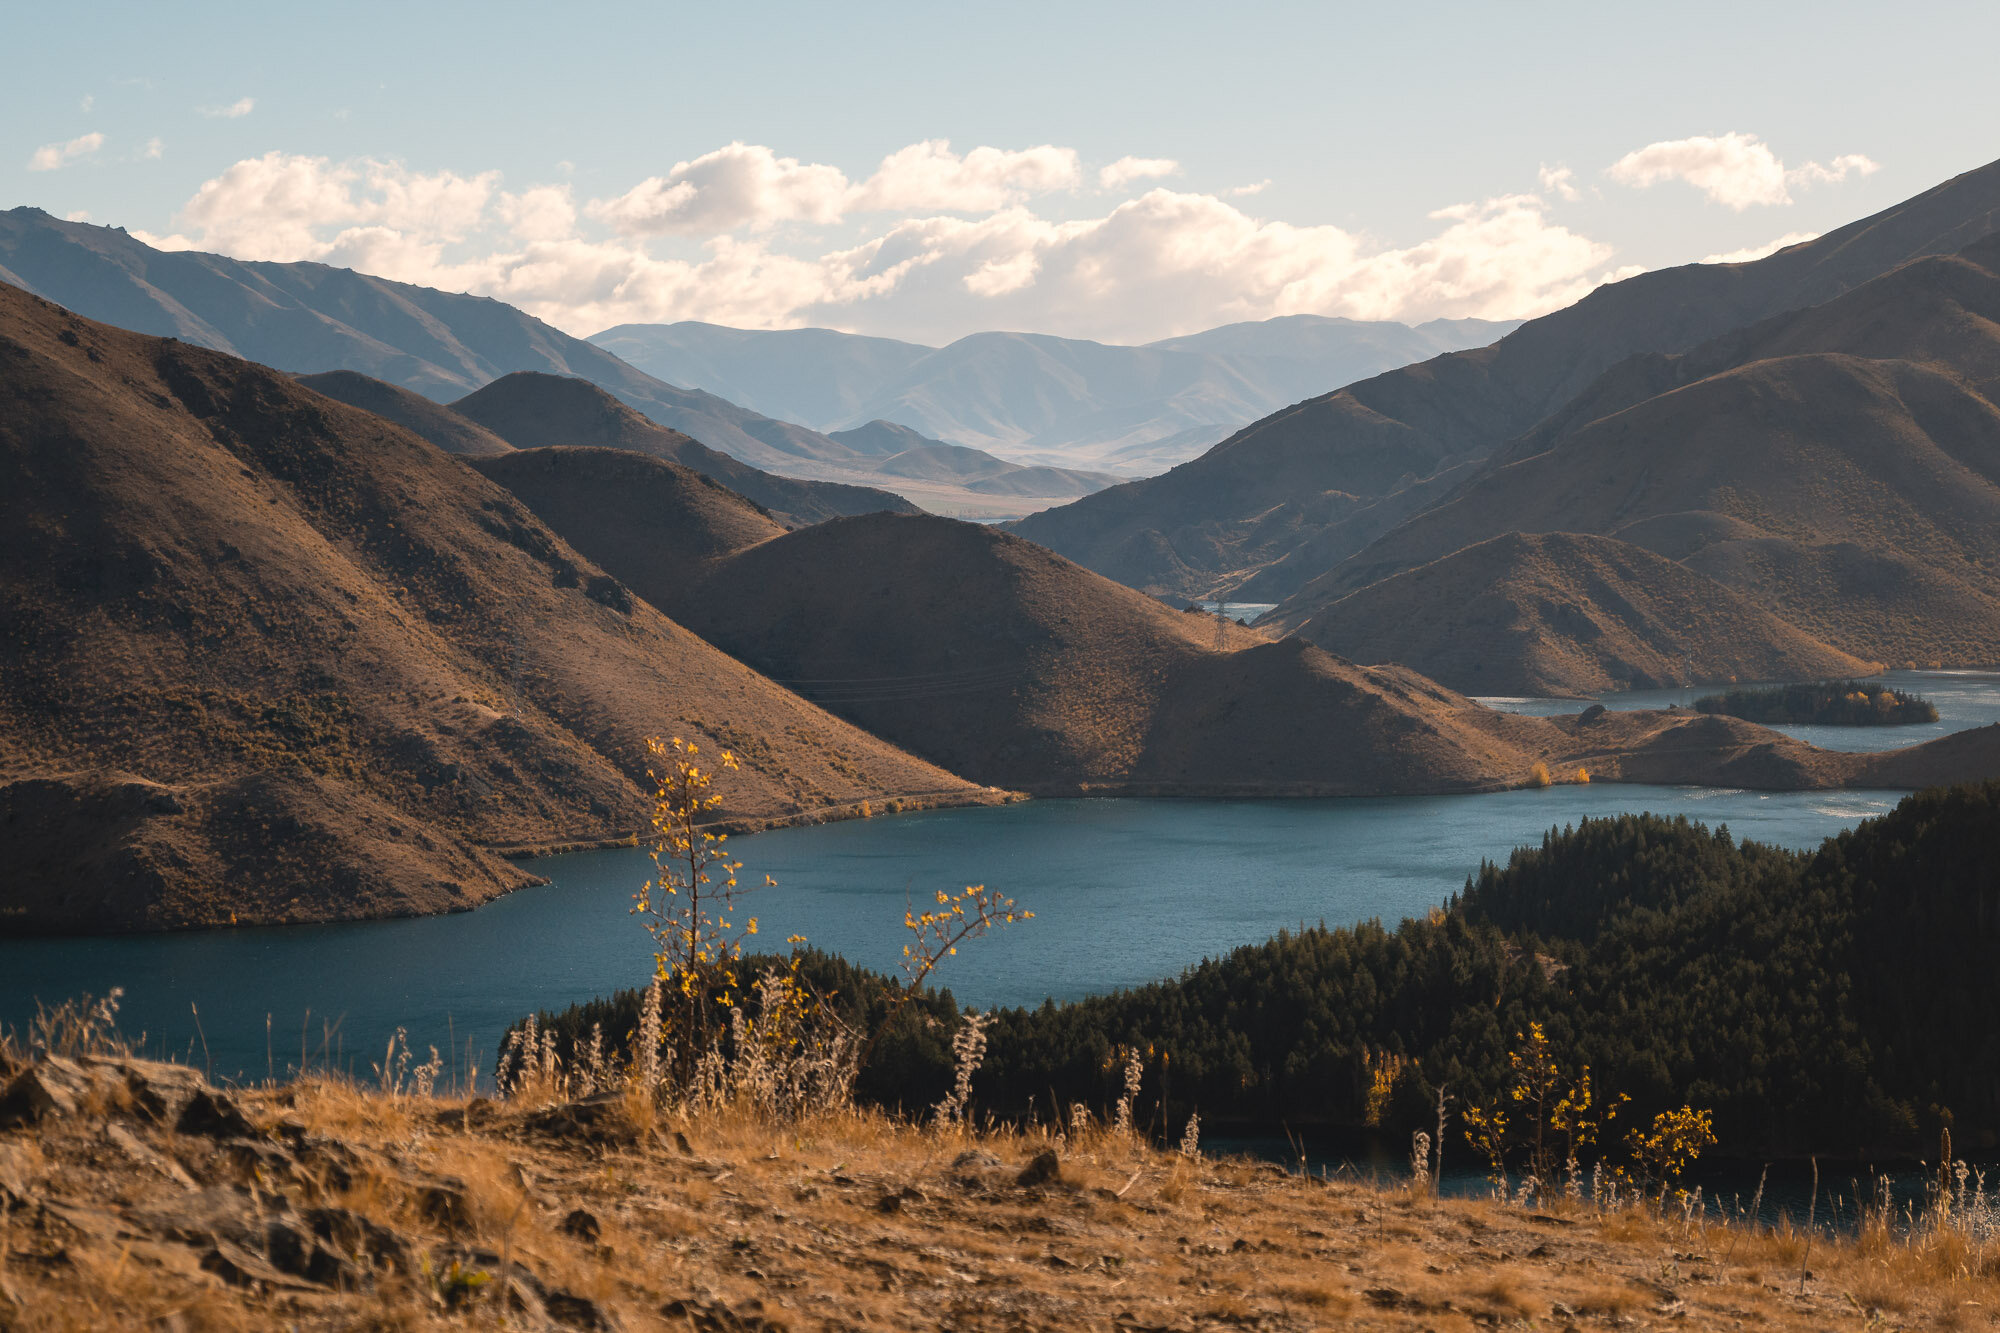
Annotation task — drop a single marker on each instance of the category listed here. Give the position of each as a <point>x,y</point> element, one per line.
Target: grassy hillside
<point>1857,499</point>
<point>415,413</point>
<point>1566,614</point>
<point>273,658</point>
<point>1279,484</point>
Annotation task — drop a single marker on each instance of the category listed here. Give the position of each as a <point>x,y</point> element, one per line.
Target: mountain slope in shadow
<point>1235,517</point>
<point>1568,614</point>
<point>530,410</point>
<point>273,658</point>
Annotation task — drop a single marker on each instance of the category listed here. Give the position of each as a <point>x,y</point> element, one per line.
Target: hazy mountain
<point>1564,614</point>
<point>533,411</point>
<point>818,377</point>
<point>273,658</point>
<point>1059,401</point>
<point>1268,498</point>
<point>310,318</point>
<point>1838,466</point>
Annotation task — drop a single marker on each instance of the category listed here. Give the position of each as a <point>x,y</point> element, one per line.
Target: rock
<point>264,1163</point>
<point>240,1268</point>
<point>359,1238</point>
<point>598,1118</point>
<point>715,1317</point>
<point>446,1206</point>
<point>581,1224</point>
<point>973,1158</point>
<point>121,1138</point>
<point>573,1311</point>
<point>1591,714</point>
<point>301,1255</point>
<point>42,1091</point>
<point>17,1176</point>
<point>211,1114</point>
<point>159,1090</point>
<point>336,1165</point>
<point>1045,1169</point>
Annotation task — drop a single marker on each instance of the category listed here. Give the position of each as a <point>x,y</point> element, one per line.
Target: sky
<point>1122,172</point>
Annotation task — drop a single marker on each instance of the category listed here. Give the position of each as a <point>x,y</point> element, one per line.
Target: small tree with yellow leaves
<point>1558,1117</point>
<point>690,905</point>
<point>1664,1150</point>
<point>938,930</point>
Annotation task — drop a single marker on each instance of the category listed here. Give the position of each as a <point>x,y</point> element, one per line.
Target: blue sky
<point>1381,161</point>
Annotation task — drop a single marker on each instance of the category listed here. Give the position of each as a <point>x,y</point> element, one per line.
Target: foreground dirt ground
<point>135,1197</point>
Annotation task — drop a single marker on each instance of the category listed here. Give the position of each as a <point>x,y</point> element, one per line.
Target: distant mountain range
<point>310,318</point>
<point>1815,432</point>
<point>1063,402</point>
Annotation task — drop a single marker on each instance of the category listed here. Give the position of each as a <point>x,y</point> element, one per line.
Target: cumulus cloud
<point>281,206</point>
<point>963,247</point>
<point>750,186</point>
<point>236,110</point>
<point>1736,170</point>
<point>1751,252</point>
<point>53,155</point>
<point>154,148</point>
<point>1559,181</point>
<point>736,186</point>
<point>929,176</point>
<point>545,213</point>
<point>1128,169</point>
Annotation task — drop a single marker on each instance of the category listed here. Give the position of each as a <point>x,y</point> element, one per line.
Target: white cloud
<point>1835,172</point>
<point>740,185</point>
<point>80,215</point>
<point>929,176</point>
<point>1240,191</point>
<point>154,148</point>
<point>750,186</point>
<point>236,110</point>
<point>1736,170</point>
<point>1559,181</point>
<point>89,101</point>
<point>1751,252</point>
<point>545,213</point>
<point>1128,169</point>
<point>53,155</point>
<point>280,206</point>
<point>1166,262</point>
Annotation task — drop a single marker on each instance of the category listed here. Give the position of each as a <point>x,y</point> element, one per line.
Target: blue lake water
<point>1125,891</point>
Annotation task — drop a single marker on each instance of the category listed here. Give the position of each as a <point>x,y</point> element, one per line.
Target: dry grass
<point>850,1220</point>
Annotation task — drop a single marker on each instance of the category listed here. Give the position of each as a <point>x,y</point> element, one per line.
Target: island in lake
<point>1844,703</point>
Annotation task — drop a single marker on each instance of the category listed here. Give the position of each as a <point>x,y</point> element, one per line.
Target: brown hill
<point>1857,499</point>
<point>530,410</point>
<point>998,659</point>
<point>1263,503</point>
<point>439,424</point>
<point>989,653</point>
<point>272,658</point>
<point>1564,613</point>
<point>660,525</point>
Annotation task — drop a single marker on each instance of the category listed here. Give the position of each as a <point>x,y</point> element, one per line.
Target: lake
<point>1125,891</point>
